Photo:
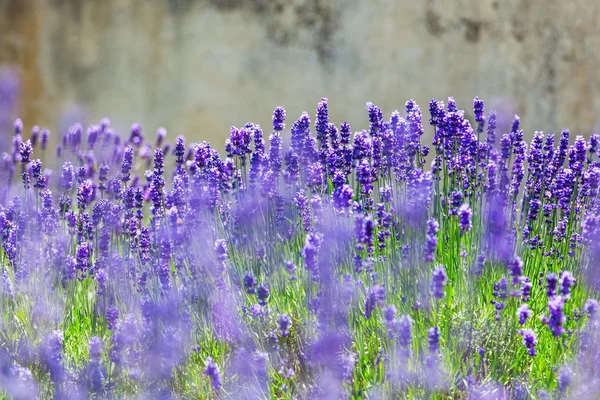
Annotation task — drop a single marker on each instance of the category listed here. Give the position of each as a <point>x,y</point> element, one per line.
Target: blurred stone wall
<point>199,66</point>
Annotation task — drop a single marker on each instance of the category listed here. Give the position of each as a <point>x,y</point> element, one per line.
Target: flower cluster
<point>317,267</point>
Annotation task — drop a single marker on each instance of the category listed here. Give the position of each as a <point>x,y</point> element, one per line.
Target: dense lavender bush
<point>365,265</point>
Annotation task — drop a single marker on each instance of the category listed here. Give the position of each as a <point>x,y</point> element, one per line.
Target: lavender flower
<point>52,355</point>
<point>524,313</point>
<point>285,323</point>
<point>18,126</point>
<point>436,110</point>
<point>180,152</point>
<point>439,279</point>
<point>374,298</point>
<point>26,149</point>
<point>95,347</point>
<point>96,374</point>
<point>564,379</point>
<point>389,313</point>
<point>44,137</point>
<point>157,184</point>
<point>127,164</point>
<point>85,194</point>
<point>430,240</point>
<point>529,340</point>
<point>491,130</point>
<point>404,330</point>
<point>591,308</point>
<point>83,255</point>
<point>343,197</point>
<point>250,283</point>
<point>551,284</point>
<point>263,294</point>
<point>213,372</point>
<point>375,118</point>
<point>556,319</point>
<point>433,338</point>
<point>566,282</point>
<point>515,266</point>
<point>322,119</point>
<point>526,286</point>
<point>478,109</point>
<point>112,316</point>
<point>67,176</point>
<point>455,202</point>
<point>135,135</point>
<point>310,253</point>
<point>161,134</point>
<point>348,364</point>
<point>465,217</point>
<point>279,119</point>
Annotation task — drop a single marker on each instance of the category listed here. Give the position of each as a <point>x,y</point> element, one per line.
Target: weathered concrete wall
<point>199,66</point>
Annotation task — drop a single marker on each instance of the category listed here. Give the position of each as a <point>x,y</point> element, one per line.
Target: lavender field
<point>355,262</point>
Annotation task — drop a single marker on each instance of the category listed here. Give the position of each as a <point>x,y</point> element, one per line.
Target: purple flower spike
<point>85,194</point>
<point>404,330</point>
<point>67,176</point>
<point>465,213</point>
<point>551,284</point>
<point>44,137</point>
<point>515,266</point>
<point>374,298</point>
<point>52,356</point>
<point>375,119</point>
<point>95,347</point>
<point>567,280</point>
<point>322,119</point>
<point>524,313</point>
<point>436,111</point>
<point>478,110</point>
<point>433,338</point>
<point>135,135</point>
<point>389,313</point>
<point>279,119</point>
<point>591,308</point>
<point>285,324</point>
<point>529,340</point>
<point>263,294</point>
<point>565,376</point>
<point>213,372</point>
<point>26,149</point>
<point>311,253</point>
<point>92,135</point>
<point>250,283</point>
<point>18,126</point>
<point>439,279</point>
<point>127,163</point>
<point>112,317</point>
<point>491,130</point>
<point>556,320</point>
<point>431,240</point>
<point>161,134</point>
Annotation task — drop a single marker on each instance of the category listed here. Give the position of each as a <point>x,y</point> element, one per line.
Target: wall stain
<point>473,29</point>
<point>521,21</point>
<point>433,23</point>
<point>287,23</point>
<point>75,8</point>
<point>179,7</point>
<point>519,33</point>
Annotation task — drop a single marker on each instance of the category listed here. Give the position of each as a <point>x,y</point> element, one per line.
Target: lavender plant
<point>369,265</point>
